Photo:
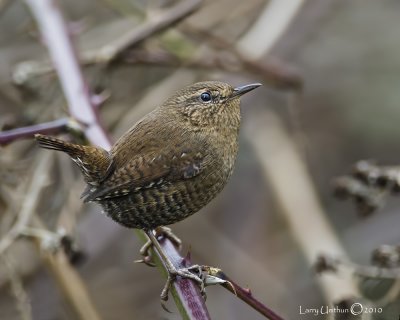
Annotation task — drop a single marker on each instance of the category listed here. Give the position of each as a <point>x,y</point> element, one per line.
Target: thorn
<point>247,291</point>
<point>187,258</point>
<point>100,98</point>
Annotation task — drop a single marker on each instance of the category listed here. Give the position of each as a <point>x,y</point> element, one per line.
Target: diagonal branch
<point>153,25</point>
<point>243,294</point>
<point>56,37</point>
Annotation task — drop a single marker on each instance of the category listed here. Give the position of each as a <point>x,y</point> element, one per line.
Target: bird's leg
<point>145,249</point>
<point>173,271</point>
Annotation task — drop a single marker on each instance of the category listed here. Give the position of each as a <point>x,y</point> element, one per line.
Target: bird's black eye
<point>205,97</point>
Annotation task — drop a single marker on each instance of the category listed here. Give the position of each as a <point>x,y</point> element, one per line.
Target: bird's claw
<point>194,273</point>
<point>147,260</point>
<point>203,275</point>
<point>146,254</point>
<point>145,249</point>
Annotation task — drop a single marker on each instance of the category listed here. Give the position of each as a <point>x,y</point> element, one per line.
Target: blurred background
<point>330,97</point>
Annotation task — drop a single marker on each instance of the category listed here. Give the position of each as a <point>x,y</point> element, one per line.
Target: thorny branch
<point>242,293</point>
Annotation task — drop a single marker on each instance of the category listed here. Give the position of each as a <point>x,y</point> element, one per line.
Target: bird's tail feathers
<point>94,162</point>
<point>52,143</point>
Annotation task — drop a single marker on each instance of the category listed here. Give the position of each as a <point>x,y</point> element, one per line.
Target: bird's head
<point>209,105</point>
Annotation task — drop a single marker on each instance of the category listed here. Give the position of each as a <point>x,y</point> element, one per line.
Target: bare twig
<point>38,182</point>
<point>17,287</point>
<point>52,127</point>
<point>56,36</point>
<point>153,25</point>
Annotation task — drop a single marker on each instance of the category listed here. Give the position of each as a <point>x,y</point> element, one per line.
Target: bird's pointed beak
<point>237,92</point>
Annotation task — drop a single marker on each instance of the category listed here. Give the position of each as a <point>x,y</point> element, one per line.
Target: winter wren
<point>170,164</point>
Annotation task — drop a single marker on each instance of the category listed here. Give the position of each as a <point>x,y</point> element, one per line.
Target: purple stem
<point>246,296</point>
<point>52,127</point>
<point>188,296</point>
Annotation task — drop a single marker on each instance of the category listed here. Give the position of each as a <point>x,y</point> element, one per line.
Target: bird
<point>168,165</point>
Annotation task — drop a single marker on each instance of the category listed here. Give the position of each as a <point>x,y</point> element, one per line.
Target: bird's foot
<point>203,275</point>
<point>159,232</point>
<point>194,273</point>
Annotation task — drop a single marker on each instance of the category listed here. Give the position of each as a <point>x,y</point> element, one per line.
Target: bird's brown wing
<point>149,170</point>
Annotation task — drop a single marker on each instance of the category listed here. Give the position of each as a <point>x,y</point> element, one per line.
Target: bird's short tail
<point>94,162</point>
<point>52,143</point>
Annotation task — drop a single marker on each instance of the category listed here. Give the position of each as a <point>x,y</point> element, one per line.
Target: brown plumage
<point>169,164</point>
